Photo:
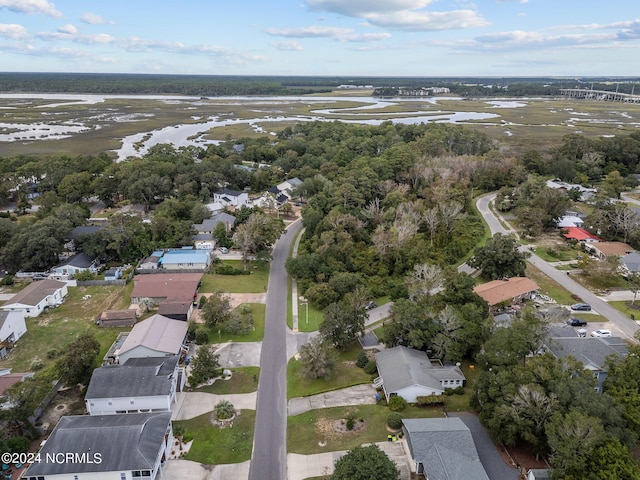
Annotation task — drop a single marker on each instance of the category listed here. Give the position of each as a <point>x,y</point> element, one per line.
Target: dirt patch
<point>521,456</point>
<point>68,401</point>
<point>330,429</point>
<point>237,299</point>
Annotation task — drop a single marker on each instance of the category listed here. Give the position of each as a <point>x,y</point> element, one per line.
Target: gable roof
<point>124,442</point>
<point>137,377</point>
<point>229,192</point>
<point>185,256</point>
<point>498,291</point>
<point>445,448</point>
<point>85,230</point>
<point>210,224</point>
<point>80,260</point>
<point>613,248</point>
<point>173,287</point>
<point>631,261</point>
<point>35,292</point>
<point>401,367</point>
<point>157,333</point>
<point>579,233</point>
<point>569,221</point>
<point>592,352</point>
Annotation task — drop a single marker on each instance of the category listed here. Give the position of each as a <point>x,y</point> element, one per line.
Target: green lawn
<point>241,381</point>
<point>258,313</point>
<point>212,446</point>
<point>622,307</point>
<point>557,254</point>
<point>315,318</point>
<point>306,430</point>
<point>255,282</point>
<point>54,330</point>
<point>550,287</point>
<point>346,374</point>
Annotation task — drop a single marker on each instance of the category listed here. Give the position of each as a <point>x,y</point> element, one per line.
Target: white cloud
<point>359,8</point>
<point>309,32</point>
<point>100,38</point>
<point>290,45</point>
<point>409,15</point>
<point>13,31</point>
<point>42,7</point>
<point>68,28</point>
<point>93,19</point>
<point>428,21</point>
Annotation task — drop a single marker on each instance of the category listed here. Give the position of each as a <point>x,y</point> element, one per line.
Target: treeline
<point>221,85</point>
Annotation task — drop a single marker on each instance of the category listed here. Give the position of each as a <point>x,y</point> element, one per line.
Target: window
<point>123,476</point>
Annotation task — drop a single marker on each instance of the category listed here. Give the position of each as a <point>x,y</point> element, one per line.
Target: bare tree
<point>424,280</point>
<point>374,211</point>
<point>450,213</point>
<point>432,219</point>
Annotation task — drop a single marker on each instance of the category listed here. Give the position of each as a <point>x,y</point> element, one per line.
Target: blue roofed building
<point>185,259</point>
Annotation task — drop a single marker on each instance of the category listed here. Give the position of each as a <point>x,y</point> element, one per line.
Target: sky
<point>323,37</point>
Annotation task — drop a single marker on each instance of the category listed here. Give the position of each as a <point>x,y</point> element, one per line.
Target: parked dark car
<point>370,305</point>
<point>576,322</point>
<point>584,307</point>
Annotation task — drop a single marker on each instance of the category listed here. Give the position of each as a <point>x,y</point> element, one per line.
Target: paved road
<point>269,460</point>
<point>622,322</point>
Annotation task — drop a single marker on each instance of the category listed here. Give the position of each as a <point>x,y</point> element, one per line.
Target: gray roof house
<point>630,262</point>
<point>208,225</point>
<point>157,336</point>
<point>410,374</point>
<point>443,449</point>
<point>72,265</point>
<point>592,352</point>
<point>139,385</point>
<point>36,297</point>
<point>109,447</point>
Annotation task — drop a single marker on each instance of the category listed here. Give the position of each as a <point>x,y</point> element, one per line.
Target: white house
<point>12,327</point>
<point>231,198</point>
<point>105,447</point>
<point>73,265</point>
<point>157,336</point>
<point>139,385</point>
<point>36,297</point>
<point>410,374</point>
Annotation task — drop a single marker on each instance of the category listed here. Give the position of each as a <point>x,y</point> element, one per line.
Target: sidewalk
<point>356,395</point>
<point>188,470</point>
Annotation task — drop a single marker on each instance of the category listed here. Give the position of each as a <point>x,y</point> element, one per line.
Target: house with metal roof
<point>137,386</point>
<point>36,297</point>
<point>105,447</point>
<point>185,259</point>
<point>591,352</point>
<point>157,336</point>
<point>409,373</point>
<point>443,449</point>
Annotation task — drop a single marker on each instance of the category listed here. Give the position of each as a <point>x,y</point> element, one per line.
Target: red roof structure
<point>580,234</point>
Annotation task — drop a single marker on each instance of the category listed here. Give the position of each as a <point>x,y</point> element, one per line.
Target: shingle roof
<point>445,447</point>
<point>35,292</point>
<point>401,367</point>
<point>612,248</point>
<point>80,260</point>
<point>157,333</point>
<point>124,442</point>
<point>137,377</point>
<point>631,261</point>
<point>174,287</point>
<point>592,352</point>
<point>498,291</point>
<point>173,308</point>
<point>85,230</point>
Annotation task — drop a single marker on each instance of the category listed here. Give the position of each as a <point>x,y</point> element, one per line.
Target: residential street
<point>269,459</point>
<point>624,324</point>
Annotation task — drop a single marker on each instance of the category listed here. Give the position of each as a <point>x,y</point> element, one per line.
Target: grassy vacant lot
<point>306,430</point>
<point>241,381</point>
<point>623,306</point>
<point>550,287</point>
<point>258,313</point>
<point>346,374</point>
<point>255,282</point>
<point>53,331</point>
<point>551,254</point>
<point>212,445</point>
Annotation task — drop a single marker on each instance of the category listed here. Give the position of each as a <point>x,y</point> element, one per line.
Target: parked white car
<point>601,333</point>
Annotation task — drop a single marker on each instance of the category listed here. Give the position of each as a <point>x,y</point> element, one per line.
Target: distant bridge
<point>601,95</point>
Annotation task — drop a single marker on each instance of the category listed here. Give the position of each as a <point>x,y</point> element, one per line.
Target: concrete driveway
<point>193,404</point>
<point>356,395</point>
<point>187,470</point>
<point>239,354</point>
<point>306,466</point>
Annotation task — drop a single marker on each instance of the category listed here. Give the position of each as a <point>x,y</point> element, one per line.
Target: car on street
<point>583,307</point>
<point>601,333</point>
<point>576,322</point>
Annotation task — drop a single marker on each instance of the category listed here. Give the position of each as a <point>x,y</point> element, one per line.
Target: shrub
<point>202,301</point>
<point>351,422</point>
<point>362,359</point>
<point>201,336</point>
<point>397,403</point>
<point>370,367</point>
<point>226,269</point>
<point>8,280</point>
<point>52,353</point>
<point>430,400</point>
<point>224,410</point>
<point>18,444</point>
<point>36,364</point>
<point>394,420</point>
